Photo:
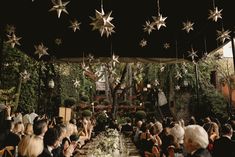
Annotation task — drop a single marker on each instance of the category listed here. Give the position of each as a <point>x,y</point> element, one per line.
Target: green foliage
<point>69,73</point>
<point>136,102</point>
<point>105,102</point>
<point>140,115</point>
<point>69,102</point>
<point>86,113</point>
<point>125,103</point>
<point>15,62</point>
<point>101,118</point>
<point>211,103</point>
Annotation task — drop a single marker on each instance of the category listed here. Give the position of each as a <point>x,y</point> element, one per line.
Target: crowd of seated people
<point>38,136</point>
<point>170,138</point>
<point>42,137</point>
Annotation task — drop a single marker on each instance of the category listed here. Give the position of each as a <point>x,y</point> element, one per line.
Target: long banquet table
<point>114,146</point>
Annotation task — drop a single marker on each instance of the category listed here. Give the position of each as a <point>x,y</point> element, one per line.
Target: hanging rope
<point>205,45</point>
<point>176,49</point>
<point>101,5</point>
<point>213,2</point>
<point>158,8</point>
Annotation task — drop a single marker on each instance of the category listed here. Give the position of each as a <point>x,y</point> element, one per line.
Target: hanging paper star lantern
<point>10,29</point>
<point>117,80</point>
<point>102,22</point>
<point>76,83</point>
<point>25,76</point>
<point>84,67</point>
<point>156,82</point>
<point>75,25</point>
<point>90,58</point>
<point>223,35</point>
<point>184,68</point>
<point>143,43</point>
<point>177,87</point>
<point>58,41</point>
<point>192,54</point>
<point>166,46</point>
<point>205,55</point>
<point>187,26</point>
<point>178,75</point>
<point>159,21</point>
<point>215,14</point>
<point>41,50</point>
<point>162,68</point>
<point>114,60</point>
<point>186,83</point>
<point>148,27</point>
<point>13,40</point>
<point>59,6</point>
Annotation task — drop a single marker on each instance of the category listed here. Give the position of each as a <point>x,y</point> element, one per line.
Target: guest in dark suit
<point>128,126</point>
<point>51,142</point>
<point>7,137</point>
<point>196,141</point>
<point>224,146</point>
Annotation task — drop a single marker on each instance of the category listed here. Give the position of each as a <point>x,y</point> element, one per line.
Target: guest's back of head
<point>195,137</point>
<point>40,127</point>
<point>227,129</point>
<point>30,146</point>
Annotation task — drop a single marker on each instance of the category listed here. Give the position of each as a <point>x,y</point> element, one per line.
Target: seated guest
<point>137,131</point>
<point>178,132</point>
<point>19,129</point>
<point>212,130</point>
<point>127,128</point>
<point>51,141</point>
<point>30,146</point>
<point>224,146</point>
<point>7,137</point>
<point>28,129</point>
<point>40,128</point>
<point>196,141</point>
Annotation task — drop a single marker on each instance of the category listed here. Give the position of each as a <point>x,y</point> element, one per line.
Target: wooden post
<point>233,48</point>
<point>130,82</point>
<point>196,109</point>
<point>1,50</point>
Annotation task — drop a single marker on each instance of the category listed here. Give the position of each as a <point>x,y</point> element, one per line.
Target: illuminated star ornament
<point>102,22</point>
<point>75,25</point>
<point>177,87</point>
<point>41,50</point>
<point>24,75</point>
<point>159,21</point>
<point>178,75</point>
<point>192,54</point>
<point>13,40</point>
<point>223,35</point>
<point>90,58</point>
<point>166,46</point>
<point>76,83</point>
<point>156,82</point>
<point>148,27</point>
<point>84,67</point>
<point>187,26</point>
<point>58,41</point>
<point>114,60</point>
<point>143,43</point>
<point>59,6</point>
<point>215,14</point>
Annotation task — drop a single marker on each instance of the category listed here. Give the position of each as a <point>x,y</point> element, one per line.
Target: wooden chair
<point>7,151</point>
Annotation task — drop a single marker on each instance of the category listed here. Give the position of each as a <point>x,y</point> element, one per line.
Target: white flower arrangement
<point>106,144</point>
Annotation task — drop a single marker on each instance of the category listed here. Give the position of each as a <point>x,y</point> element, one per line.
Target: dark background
<point>35,24</point>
